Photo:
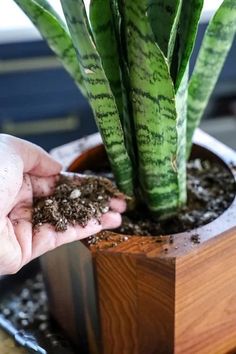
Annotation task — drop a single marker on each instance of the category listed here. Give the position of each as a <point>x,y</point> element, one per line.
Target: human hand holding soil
<point>28,172</point>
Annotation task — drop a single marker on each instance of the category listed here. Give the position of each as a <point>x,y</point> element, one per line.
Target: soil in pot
<point>211,189</point>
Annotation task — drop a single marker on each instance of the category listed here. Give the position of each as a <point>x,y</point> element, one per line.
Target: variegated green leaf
<point>99,93</point>
<point>56,34</point>
<point>155,116</point>
<point>188,25</point>
<point>181,107</point>
<point>164,19</point>
<point>104,30</point>
<point>106,45</point>
<point>127,117</point>
<point>217,41</point>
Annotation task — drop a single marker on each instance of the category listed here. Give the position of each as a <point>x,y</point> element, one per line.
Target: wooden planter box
<point>149,297</point>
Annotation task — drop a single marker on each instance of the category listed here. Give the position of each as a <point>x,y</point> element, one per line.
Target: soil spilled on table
<point>211,189</point>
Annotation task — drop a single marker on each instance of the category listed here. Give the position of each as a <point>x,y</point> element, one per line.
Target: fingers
<point>21,212</point>
<point>23,231</point>
<point>118,205</point>
<point>24,196</point>
<point>11,177</point>
<point>34,243</point>
<point>46,238</point>
<point>43,186</point>
<point>36,161</point>
<point>10,251</point>
<point>111,220</point>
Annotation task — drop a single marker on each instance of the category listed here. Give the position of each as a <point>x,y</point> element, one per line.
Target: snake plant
<point>130,59</point>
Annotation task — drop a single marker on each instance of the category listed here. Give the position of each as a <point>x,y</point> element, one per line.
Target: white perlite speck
<point>76,193</point>
<point>105,209</point>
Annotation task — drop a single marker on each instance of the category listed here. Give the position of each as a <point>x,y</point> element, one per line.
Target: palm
<point>23,175</point>
<point>23,243</point>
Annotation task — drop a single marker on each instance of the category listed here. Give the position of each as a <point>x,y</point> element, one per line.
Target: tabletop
<point>8,346</point>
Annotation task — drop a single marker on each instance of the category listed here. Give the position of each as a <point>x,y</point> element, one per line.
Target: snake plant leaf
<point>188,25</point>
<point>54,30</point>
<point>105,34</point>
<point>155,116</point>
<point>106,45</point>
<point>164,19</point>
<point>181,99</point>
<point>99,94</point>
<point>45,4</point>
<point>127,117</point>
<point>216,44</point>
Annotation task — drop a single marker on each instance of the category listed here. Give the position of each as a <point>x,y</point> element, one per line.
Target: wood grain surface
<point>73,295</point>
<point>205,299</point>
<point>148,304</point>
<point>151,295</point>
<point>8,346</point>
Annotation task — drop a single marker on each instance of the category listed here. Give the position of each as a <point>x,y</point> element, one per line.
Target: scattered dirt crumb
<point>195,238</point>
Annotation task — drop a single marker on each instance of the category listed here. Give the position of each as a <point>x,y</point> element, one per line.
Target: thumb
<point>35,160</point>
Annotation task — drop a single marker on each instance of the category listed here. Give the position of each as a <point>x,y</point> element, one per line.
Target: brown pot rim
<point>210,147</point>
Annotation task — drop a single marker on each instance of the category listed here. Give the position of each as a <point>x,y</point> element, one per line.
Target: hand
<point>27,171</point>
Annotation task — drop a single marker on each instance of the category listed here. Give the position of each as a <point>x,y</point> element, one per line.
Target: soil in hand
<point>75,200</point>
<point>210,187</point>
